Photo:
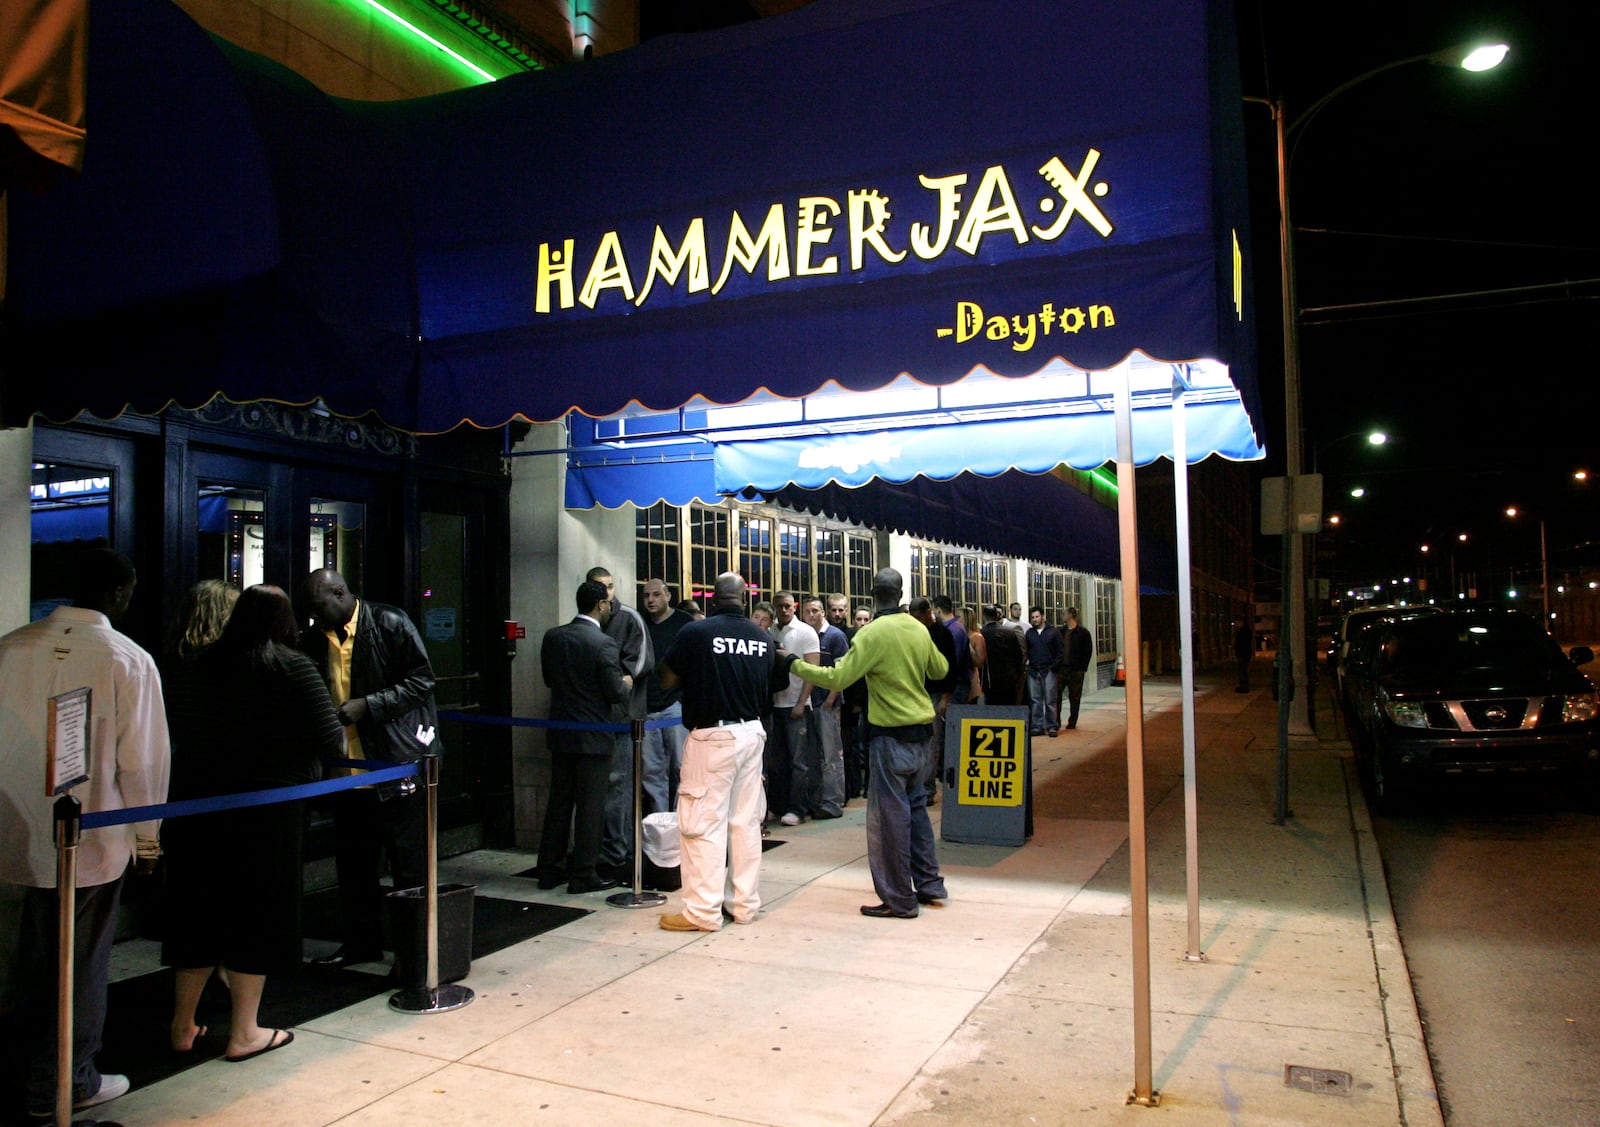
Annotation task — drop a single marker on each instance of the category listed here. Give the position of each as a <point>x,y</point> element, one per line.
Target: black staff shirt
<point>724,662</point>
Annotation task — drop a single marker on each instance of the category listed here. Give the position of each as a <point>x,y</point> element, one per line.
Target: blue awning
<point>855,191</point>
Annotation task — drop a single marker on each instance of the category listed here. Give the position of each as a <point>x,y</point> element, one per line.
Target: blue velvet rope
<point>379,774</point>
<point>387,772</point>
<point>559,725</point>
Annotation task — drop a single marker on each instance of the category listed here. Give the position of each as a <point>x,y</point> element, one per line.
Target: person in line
<point>1045,652</point>
<point>723,667</point>
<point>199,622</point>
<point>381,682</point>
<point>1244,648</point>
<point>583,668</point>
<point>961,669</point>
<point>625,627</point>
<point>248,713</point>
<point>1080,655</point>
<point>827,734</point>
<point>863,616</point>
<point>1003,671</point>
<point>793,773</point>
<point>896,655</point>
<point>940,689</point>
<point>127,758</point>
<point>853,705</point>
<point>662,757</point>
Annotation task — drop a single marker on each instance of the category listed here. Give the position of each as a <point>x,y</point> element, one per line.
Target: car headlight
<point>1582,707</point>
<point>1405,713</point>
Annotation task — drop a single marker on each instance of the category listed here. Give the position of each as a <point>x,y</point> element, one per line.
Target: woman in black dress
<point>249,713</point>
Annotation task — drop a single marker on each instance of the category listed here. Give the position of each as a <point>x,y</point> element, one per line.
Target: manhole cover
<point>1328,1081</point>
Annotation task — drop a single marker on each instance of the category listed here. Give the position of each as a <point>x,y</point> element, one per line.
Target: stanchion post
<point>68,812</point>
<point>637,897</point>
<point>431,998</point>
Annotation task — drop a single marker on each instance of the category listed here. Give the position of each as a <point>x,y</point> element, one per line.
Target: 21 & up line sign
<point>990,769</point>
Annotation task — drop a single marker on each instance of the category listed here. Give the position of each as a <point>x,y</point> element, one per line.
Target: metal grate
<point>1328,1081</point>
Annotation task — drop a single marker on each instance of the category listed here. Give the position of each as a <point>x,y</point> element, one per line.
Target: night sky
<point>1429,181</point>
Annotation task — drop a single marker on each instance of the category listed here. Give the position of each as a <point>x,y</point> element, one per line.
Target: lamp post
<point>1292,712</point>
<point>1544,564</point>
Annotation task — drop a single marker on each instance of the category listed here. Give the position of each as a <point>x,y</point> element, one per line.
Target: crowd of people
<point>779,714</point>
<point>242,700</point>
<point>786,710</point>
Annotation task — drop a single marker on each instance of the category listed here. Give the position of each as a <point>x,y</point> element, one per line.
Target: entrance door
<point>82,496</point>
<point>475,777</point>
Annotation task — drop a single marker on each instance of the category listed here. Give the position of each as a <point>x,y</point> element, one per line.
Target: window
<point>830,561</point>
<point>656,546</point>
<point>755,555</point>
<point>1105,616</point>
<point>794,557</point>
<point>862,566</point>
<point>708,552</point>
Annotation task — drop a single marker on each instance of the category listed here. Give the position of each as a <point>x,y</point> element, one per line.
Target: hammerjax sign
<point>870,232</point>
<point>989,772</point>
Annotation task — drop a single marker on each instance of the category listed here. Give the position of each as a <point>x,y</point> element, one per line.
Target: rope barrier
<point>620,729</point>
<point>165,810</point>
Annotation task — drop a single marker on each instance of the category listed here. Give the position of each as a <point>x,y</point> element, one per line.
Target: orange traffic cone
<point>1119,680</point>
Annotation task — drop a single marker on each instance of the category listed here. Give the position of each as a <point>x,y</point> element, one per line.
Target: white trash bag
<point>661,839</point>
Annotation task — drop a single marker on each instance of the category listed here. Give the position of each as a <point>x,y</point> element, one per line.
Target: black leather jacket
<point>389,667</point>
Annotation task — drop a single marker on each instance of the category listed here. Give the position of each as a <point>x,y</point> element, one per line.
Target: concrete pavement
<point>1012,1004</point>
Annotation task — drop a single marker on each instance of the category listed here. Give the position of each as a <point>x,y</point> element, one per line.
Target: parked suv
<point>1469,692</point>
<point>1353,627</point>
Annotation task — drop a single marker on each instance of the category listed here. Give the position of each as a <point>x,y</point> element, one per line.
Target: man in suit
<point>583,668</point>
<point>381,681</point>
<point>625,627</point>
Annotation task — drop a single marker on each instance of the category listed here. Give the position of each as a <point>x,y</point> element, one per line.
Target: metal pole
<point>1191,810</point>
<point>431,998</point>
<point>1139,888</point>
<point>1544,575</point>
<point>68,813</point>
<point>637,898</point>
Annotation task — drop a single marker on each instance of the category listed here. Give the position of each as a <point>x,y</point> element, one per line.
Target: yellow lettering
<point>747,251</point>
<point>948,188</point>
<point>1100,316</point>
<point>986,215</point>
<point>864,230</point>
<point>811,230</point>
<point>1071,319</point>
<point>1047,315</point>
<point>969,319</point>
<point>669,263</point>
<point>608,271</point>
<point>1025,331</point>
<point>998,328</point>
<point>554,268</point>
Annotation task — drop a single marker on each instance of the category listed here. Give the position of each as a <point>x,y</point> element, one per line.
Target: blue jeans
<point>662,760</point>
<point>900,845</point>
<point>1045,711</point>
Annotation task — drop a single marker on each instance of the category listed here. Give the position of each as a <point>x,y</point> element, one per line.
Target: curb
<point>1414,1084</point>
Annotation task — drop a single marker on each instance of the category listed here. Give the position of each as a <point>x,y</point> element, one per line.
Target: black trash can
<point>408,922</point>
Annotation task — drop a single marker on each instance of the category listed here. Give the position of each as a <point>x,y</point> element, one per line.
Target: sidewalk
<point>1012,1004</point>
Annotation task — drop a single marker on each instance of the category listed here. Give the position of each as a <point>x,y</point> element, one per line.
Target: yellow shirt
<point>339,684</point>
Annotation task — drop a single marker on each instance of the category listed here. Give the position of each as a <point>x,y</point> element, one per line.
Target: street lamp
<point>1544,564</point>
<point>1292,689</point>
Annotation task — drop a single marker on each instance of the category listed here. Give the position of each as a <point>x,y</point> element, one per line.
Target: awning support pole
<point>1138,876</point>
<point>1186,640</point>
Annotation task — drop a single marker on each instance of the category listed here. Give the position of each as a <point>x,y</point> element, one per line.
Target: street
<point>1493,887</point>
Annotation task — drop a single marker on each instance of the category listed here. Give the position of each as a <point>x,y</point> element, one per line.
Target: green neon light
<point>1108,482</point>
<point>413,29</point>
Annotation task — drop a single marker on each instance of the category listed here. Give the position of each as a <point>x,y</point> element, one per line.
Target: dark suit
<point>583,668</point>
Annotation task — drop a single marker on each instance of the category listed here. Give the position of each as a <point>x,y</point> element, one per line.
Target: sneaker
<point>790,819</point>
<point>112,1085</point>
